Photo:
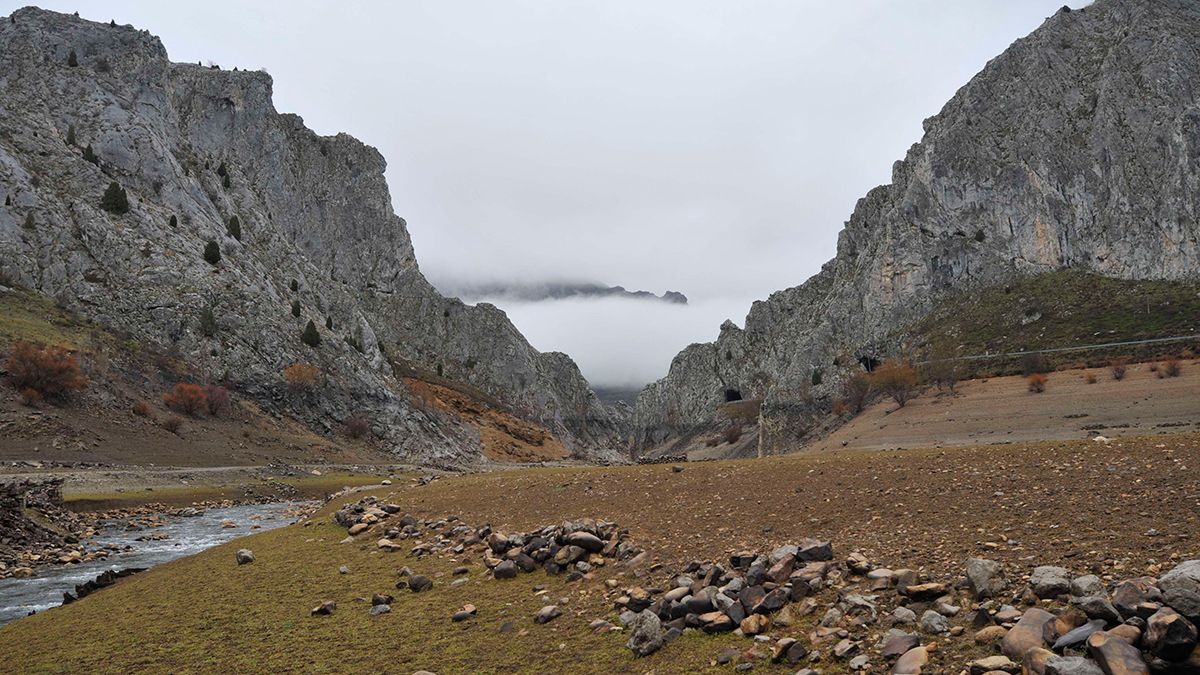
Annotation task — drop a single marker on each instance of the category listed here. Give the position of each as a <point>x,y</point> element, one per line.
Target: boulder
<point>1050,581</point>
<point>646,634</point>
<point>1088,585</point>
<point>933,623</point>
<point>507,569</point>
<point>983,577</point>
<point>1116,657</point>
<point>1027,634</point>
<point>585,540</point>
<point>244,556</point>
<point>419,583</point>
<point>1131,593</point>
<point>1078,635</point>
<point>1071,665</point>
<point>547,614</point>
<point>324,609</point>
<point>1181,589</point>
<point>911,662</point>
<point>990,664</point>
<point>1169,635</point>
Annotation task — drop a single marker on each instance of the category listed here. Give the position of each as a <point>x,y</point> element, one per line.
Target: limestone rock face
<point>1078,147</point>
<point>195,147</point>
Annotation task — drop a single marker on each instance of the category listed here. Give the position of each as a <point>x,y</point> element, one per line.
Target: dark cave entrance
<point>732,395</point>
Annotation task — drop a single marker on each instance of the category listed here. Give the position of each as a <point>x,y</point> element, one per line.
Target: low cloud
<point>621,342</point>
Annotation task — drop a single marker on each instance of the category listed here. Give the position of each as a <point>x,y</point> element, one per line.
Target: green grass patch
<point>305,487</point>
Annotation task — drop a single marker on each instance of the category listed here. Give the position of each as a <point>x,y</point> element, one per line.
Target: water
<point>18,597</point>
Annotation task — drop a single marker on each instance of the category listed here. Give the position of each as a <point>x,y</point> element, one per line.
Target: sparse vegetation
<point>357,426</point>
<point>312,338</point>
<point>732,434</point>
<point>1090,378</point>
<point>89,155</point>
<point>28,224</point>
<point>942,373</point>
<point>208,321</point>
<point>295,285</point>
<point>218,399</point>
<point>1118,368</point>
<point>142,409</point>
<point>856,391</point>
<point>234,228</point>
<point>212,253</point>
<point>72,59</point>
<point>173,222</point>
<point>30,397</point>
<point>172,423</point>
<point>296,308</point>
<point>70,134</point>
<point>1172,367</point>
<point>51,371</point>
<point>186,398</point>
<point>1037,382</point>
<point>115,200</point>
<point>1034,363</point>
<point>897,379</point>
<point>301,377</point>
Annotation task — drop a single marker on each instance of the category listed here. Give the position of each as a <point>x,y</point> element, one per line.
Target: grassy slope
<point>305,487</point>
<point>926,509</point>
<point>1073,308</point>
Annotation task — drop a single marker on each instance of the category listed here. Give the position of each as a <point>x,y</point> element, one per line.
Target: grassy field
<point>1060,309</point>
<point>925,509</point>
<point>299,487</point>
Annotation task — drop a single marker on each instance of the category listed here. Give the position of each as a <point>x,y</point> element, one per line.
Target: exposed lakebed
<point>184,536</point>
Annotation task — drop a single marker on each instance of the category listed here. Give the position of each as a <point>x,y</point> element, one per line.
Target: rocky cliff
<point>303,224</point>
<point>1078,147</point>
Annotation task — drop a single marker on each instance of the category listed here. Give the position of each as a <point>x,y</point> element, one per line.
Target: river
<point>18,597</point>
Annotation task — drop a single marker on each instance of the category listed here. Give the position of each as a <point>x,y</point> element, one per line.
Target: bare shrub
<point>300,377</point>
<point>52,372</point>
<point>142,409</point>
<point>1090,378</point>
<point>1037,382</point>
<point>1118,368</point>
<point>357,426</point>
<point>732,434</point>
<point>897,379</point>
<point>856,391</point>
<point>31,397</point>
<point>186,398</point>
<point>1172,367</point>
<point>218,399</point>
<point>172,424</point>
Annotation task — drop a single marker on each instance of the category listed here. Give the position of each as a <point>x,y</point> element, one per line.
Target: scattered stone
<point>324,609</point>
<point>505,570</point>
<point>1071,665</point>
<point>244,556</point>
<point>983,577</point>
<point>1027,634</point>
<point>993,663</point>
<point>1116,657</point>
<point>990,635</point>
<point>933,623</point>
<point>547,614</point>
<point>376,610</point>
<point>1169,635</point>
<point>1181,589</point>
<point>419,583</point>
<point>463,614</point>
<point>1087,586</point>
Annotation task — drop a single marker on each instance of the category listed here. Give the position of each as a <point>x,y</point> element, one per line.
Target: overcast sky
<point>715,148</point>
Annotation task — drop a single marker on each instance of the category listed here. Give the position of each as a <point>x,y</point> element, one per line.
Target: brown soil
<point>1003,410</point>
<point>1085,504</point>
<point>95,430</point>
<point>504,437</point>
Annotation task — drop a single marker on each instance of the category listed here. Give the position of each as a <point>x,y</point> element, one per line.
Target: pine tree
<point>296,308</point>
<point>8,200</point>
<point>90,155</point>
<point>173,222</point>
<point>329,322</point>
<point>72,60</point>
<point>225,182</point>
<point>212,253</point>
<point>28,224</point>
<point>295,285</point>
<point>310,336</point>
<point>234,228</point>
<point>115,200</point>
<point>71,134</point>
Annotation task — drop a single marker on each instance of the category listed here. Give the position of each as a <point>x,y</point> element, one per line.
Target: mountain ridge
<point>1074,148</point>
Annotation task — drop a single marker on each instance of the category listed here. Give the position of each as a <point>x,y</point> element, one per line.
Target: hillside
<point>1073,149</point>
<point>172,204</point>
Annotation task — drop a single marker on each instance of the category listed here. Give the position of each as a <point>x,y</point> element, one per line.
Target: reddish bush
<point>856,391</point>
<point>1090,378</point>
<point>840,408</point>
<point>172,423</point>
<point>218,399</point>
<point>142,409</point>
<point>357,426</point>
<point>52,372</point>
<point>30,397</point>
<point>1037,382</point>
<point>186,398</point>
<point>1172,367</point>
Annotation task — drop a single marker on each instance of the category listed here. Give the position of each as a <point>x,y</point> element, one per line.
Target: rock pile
<point>800,605</point>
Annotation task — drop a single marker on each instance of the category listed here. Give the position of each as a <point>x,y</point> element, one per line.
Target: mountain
<point>1077,148</point>
<point>539,292</point>
<point>124,175</point>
